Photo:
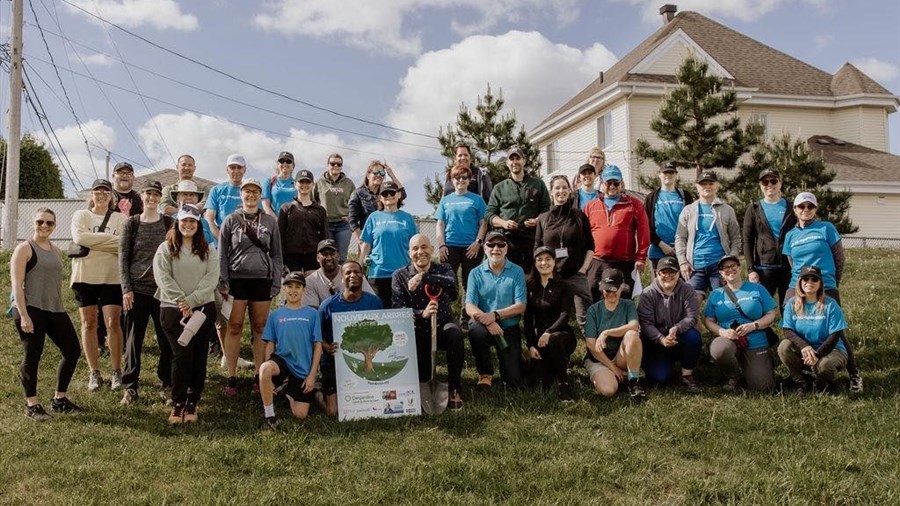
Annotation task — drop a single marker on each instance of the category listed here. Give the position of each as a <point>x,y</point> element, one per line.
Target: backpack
<point>136,223</point>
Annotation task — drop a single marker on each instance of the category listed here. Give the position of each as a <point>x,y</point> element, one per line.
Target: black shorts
<point>252,289</point>
<point>294,387</point>
<point>329,380</point>
<point>88,294</point>
<point>301,262</point>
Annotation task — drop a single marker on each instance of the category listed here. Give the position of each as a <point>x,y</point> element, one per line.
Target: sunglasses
<point>613,182</point>
<point>101,192</point>
<point>669,171</point>
<point>378,173</point>
<point>49,223</point>
<point>285,161</point>
<point>461,178</point>
<point>492,245</point>
<point>667,273</point>
<point>730,267</point>
<point>389,193</point>
<point>336,164</point>
<point>805,207</point>
<point>768,182</point>
<point>810,279</point>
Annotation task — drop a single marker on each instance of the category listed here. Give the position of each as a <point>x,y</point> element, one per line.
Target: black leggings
<point>145,308</point>
<point>57,326</point>
<point>188,362</point>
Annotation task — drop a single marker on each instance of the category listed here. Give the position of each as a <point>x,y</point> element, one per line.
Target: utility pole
<point>9,230</point>
<point>107,165</point>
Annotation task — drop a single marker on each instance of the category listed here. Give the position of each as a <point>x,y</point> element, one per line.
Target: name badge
<point>562,253</point>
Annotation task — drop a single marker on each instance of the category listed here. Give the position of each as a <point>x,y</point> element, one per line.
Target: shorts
<point>294,387</point>
<point>251,289</point>
<point>592,367</point>
<point>301,262</point>
<point>88,294</point>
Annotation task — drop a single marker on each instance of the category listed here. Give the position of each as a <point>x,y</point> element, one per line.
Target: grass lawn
<point>511,447</point>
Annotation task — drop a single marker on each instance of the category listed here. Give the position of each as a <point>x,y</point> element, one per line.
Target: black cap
<point>727,258</point>
<point>152,185</point>
<point>544,249</point>
<point>708,175</point>
<point>611,280</point>
<point>667,166</point>
<point>101,183</point>
<point>388,186</point>
<point>515,150</point>
<point>667,263</point>
<point>769,172</point>
<point>586,168</point>
<point>326,244</point>
<point>123,166</point>
<point>304,174</point>
<point>810,270</point>
<point>294,277</point>
<point>286,154</point>
<point>493,235</point>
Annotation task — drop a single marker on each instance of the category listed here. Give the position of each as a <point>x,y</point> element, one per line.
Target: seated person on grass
<point>293,340</point>
<point>612,340</point>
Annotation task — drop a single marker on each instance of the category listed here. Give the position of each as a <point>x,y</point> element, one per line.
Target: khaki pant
<point>756,365</point>
<point>826,368</point>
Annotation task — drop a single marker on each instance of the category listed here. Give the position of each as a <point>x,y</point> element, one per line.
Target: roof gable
<point>849,80</point>
<point>676,45</point>
<point>852,162</point>
<point>167,177</point>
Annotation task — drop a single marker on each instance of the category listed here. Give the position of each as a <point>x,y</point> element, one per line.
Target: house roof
<point>167,177</point>
<point>753,64</point>
<point>852,162</point>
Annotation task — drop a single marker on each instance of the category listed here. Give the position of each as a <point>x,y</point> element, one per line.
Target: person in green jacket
<point>333,191</point>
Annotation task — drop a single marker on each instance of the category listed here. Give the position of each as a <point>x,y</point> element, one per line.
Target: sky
<point>370,79</point>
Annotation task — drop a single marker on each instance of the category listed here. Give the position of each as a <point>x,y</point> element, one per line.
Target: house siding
<point>875,215</point>
<point>668,62</point>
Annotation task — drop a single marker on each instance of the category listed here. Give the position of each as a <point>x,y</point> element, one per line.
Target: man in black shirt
<point>128,201</point>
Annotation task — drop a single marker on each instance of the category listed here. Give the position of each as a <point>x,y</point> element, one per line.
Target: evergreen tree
<point>39,176</point>
<point>800,171</point>
<point>699,125</point>
<point>489,133</point>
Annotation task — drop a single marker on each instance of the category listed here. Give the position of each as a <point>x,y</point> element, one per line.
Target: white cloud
<point>70,137</point>
<point>96,59</point>
<point>160,14</point>
<point>743,10</point>
<point>385,26</point>
<point>878,70</point>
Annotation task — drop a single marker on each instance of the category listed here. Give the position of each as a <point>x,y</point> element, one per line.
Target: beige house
<point>783,93</point>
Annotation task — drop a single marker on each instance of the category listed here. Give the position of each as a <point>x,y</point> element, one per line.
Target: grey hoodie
<point>726,222</point>
<point>240,258</point>
<point>658,313</point>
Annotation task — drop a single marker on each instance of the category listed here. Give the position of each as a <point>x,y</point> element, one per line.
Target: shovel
<point>435,395</point>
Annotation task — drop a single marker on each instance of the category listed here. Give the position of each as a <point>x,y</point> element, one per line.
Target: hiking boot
<point>805,386</point>
<point>464,325</point>
<point>64,405</point>
<point>177,416</point>
<point>635,390</point>
<point>190,412</point>
<point>484,381</point>
<point>94,381</point>
<point>115,382</point>
<point>455,403</point>
<point>690,384</point>
<point>166,394</point>
<point>130,397</point>
<point>856,384</point>
<point>732,384</point>
<point>37,413</point>
<point>231,389</point>
<point>564,392</point>
<point>270,423</point>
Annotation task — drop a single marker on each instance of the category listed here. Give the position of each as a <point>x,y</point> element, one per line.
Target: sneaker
<point>37,413</point>
<point>64,405</point>
<point>215,349</point>
<point>464,326</point>
<point>115,383</point>
<point>636,391</point>
<point>94,381</point>
<point>245,364</point>
<point>270,423</point>
<point>231,389</point>
<point>484,381</point>
<point>455,403</point>
<point>130,397</point>
<point>856,384</point>
<point>256,384</point>
<point>177,415</point>
<point>732,384</point>
<point>166,394</point>
<point>690,384</point>
<point>190,412</point>
<point>222,362</point>
<point>565,393</point>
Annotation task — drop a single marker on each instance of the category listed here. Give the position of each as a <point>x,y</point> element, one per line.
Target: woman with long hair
<point>364,199</point>
<point>186,271</point>
<point>36,275</point>
<point>279,189</point>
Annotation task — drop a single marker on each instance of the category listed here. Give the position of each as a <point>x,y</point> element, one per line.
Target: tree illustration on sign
<point>367,337</point>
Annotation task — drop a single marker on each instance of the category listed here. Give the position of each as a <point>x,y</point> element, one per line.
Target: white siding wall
<point>876,215</point>
<point>668,62</point>
<point>873,128</point>
<point>640,112</point>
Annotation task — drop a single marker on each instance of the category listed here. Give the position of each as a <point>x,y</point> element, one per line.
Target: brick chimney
<point>668,13</point>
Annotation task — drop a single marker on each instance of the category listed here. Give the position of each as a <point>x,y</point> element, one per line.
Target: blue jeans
<point>658,359</point>
<point>706,279</point>
<point>340,232</point>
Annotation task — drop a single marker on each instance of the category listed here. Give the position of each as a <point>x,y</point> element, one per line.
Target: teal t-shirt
<point>775,217</point>
<point>598,319</point>
<point>585,197</point>
<point>707,245</point>
<point>294,332</point>
<point>811,245</point>
<point>815,327</point>
<point>224,198</point>
<point>754,300</point>
<point>665,217</point>
<point>389,234</point>
<point>279,193</point>
<point>462,215</point>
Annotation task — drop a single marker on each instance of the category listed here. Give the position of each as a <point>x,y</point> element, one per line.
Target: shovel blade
<point>440,397</point>
<point>426,398</point>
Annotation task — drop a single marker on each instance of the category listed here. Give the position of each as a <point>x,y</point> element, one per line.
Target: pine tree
<point>39,176</point>
<point>489,134</point>
<point>699,124</point>
<point>800,171</point>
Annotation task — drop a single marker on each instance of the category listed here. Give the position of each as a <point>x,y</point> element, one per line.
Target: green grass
<point>511,447</point>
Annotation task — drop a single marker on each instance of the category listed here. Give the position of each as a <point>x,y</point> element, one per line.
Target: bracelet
<point>756,325</point>
<point>442,246</point>
<point>480,241</point>
<point>497,315</point>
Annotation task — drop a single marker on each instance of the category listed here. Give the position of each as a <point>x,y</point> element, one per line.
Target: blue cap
<point>611,172</point>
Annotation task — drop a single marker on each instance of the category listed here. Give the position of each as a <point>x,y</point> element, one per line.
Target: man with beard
<point>410,288</point>
<point>127,201</point>
<point>326,280</point>
<point>186,168</point>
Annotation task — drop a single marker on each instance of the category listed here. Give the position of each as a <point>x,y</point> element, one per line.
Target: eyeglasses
<point>729,267</point>
<point>596,157</point>
<point>378,173</point>
<point>810,279</point>
<point>768,182</point>
<point>805,207</point>
<point>251,192</point>
<point>285,161</point>
<point>613,182</point>
<point>461,178</point>
<point>492,245</point>
<point>41,223</point>
<point>667,273</point>
<point>101,192</point>
<point>336,164</point>
<point>389,193</point>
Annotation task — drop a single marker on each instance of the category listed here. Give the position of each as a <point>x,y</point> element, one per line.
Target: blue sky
<point>403,63</point>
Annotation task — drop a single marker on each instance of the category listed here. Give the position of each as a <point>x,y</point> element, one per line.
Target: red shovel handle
<point>433,292</point>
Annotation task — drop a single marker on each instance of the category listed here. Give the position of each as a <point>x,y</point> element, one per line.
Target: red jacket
<point>623,233</point>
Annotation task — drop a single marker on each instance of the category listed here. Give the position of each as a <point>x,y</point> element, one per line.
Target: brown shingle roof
<point>167,177</point>
<point>752,63</point>
<point>852,162</point>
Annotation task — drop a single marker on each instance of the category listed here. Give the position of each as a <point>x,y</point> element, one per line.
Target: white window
<point>604,131</point>
<point>552,160</point>
<point>763,119</point>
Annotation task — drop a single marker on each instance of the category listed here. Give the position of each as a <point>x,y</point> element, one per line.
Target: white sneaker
<point>245,364</point>
<point>115,383</point>
<point>94,381</point>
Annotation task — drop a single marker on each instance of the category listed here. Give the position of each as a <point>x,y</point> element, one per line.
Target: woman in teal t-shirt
<point>384,242</point>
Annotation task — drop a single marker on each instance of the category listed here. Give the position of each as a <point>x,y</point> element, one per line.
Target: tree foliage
<point>800,171</point>
<point>367,337</point>
<point>39,176</point>
<point>489,133</point>
<point>698,123</point>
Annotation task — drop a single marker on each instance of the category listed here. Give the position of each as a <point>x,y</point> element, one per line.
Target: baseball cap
<point>294,277</point>
<point>187,186</point>
<point>667,264</point>
<point>101,183</point>
<point>388,186</point>
<point>611,172</point>
<point>152,185</point>
<point>611,280</point>
<point>236,159</point>
<point>810,270</point>
<point>286,154</point>
<point>728,258</point>
<point>188,211</point>
<point>805,197</point>
<point>708,175</point>
<point>326,244</point>
<point>494,235</point>
<point>587,168</point>
<point>304,175</point>
<point>668,165</point>
<point>123,166</point>
<point>514,151</point>
<point>769,172</point>
<point>250,182</point>
<point>544,249</point>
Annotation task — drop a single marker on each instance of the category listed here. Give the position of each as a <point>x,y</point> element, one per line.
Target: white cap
<point>250,182</point>
<point>236,159</point>
<point>188,211</point>
<point>805,197</point>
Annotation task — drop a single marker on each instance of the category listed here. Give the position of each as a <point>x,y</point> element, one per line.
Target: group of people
<point>529,261</point>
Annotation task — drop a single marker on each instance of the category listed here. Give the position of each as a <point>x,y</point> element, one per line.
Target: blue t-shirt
<point>811,245</point>
<point>754,300</point>
<point>336,304</point>
<point>462,215</point>
<point>611,201</point>
<point>294,332</point>
<point>279,193</point>
<point>491,292</point>
<point>775,216</point>
<point>585,197</point>
<point>224,199</point>
<point>707,245</point>
<point>813,327</point>
<point>388,233</point>
<point>665,217</point>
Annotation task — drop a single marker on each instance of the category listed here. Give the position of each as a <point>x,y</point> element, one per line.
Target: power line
<point>244,81</point>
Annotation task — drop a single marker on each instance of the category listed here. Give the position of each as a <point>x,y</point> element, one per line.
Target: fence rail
<point>852,241</point>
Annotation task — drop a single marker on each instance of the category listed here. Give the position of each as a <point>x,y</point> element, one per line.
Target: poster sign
<point>375,365</point>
